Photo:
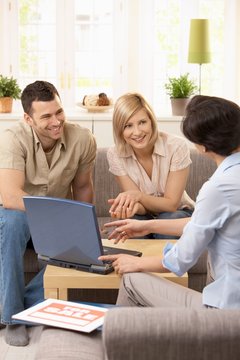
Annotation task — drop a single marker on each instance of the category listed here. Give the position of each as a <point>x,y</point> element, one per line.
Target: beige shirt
<point>21,149</point>
<point>171,153</point>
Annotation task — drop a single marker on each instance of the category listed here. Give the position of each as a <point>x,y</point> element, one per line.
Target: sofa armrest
<point>170,333</point>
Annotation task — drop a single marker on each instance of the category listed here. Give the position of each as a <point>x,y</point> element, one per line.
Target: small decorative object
<point>180,89</point>
<point>9,90</point>
<point>199,44</point>
<point>96,103</point>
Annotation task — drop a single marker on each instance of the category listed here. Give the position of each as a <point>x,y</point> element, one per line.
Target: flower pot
<point>179,106</point>
<point>6,104</point>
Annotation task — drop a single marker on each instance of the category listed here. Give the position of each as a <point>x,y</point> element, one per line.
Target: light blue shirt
<point>215,226</point>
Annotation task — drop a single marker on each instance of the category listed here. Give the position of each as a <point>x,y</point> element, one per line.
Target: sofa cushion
<point>57,344</point>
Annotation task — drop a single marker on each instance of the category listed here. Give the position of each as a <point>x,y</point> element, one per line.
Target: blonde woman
<point>151,167</point>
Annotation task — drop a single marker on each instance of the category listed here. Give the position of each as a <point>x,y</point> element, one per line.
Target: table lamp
<point>199,44</point>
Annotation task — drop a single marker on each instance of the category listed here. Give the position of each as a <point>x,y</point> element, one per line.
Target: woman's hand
<point>123,212</point>
<point>125,205</point>
<point>123,263</point>
<point>128,228</point>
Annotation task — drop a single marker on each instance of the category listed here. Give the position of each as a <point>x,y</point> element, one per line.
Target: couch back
<point>201,170</point>
<point>106,187</point>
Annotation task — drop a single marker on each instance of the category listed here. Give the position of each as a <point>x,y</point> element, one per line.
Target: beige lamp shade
<point>199,44</point>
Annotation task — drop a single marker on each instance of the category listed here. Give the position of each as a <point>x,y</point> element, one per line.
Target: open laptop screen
<point>66,233</point>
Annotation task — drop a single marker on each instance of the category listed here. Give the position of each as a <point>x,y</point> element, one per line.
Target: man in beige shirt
<point>44,155</point>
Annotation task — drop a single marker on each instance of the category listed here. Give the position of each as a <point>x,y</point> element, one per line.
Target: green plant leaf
<point>9,87</point>
<point>180,87</point>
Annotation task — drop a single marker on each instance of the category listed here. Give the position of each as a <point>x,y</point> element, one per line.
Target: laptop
<point>66,233</point>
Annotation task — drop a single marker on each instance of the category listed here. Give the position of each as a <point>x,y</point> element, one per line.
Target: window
<point>93,46</point>
<point>37,40</point>
<point>169,24</point>
<point>70,45</point>
<point>116,46</point>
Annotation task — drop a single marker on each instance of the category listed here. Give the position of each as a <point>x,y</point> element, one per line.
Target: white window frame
<point>133,64</point>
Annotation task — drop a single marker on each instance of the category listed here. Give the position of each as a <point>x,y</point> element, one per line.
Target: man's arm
<point>11,188</point>
<point>82,186</point>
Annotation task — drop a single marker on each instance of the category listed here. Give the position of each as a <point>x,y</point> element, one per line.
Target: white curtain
<point>232,50</point>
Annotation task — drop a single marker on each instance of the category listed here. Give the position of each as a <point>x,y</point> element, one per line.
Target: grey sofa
<point>149,334</point>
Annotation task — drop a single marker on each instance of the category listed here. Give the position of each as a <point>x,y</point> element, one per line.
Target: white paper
<point>64,314</point>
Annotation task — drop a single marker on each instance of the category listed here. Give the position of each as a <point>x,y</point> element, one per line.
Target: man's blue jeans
<point>14,236</point>
<point>183,213</point>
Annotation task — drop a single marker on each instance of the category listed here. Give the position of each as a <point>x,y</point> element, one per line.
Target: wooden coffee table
<point>58,280</point>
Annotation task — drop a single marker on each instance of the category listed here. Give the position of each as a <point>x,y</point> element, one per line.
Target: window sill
<point>78,115</point>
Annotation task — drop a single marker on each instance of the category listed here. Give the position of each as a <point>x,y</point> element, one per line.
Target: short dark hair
<point>37,91</point>
<point>214,123</point>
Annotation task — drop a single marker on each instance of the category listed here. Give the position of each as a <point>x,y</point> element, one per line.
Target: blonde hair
<point>125,107</point>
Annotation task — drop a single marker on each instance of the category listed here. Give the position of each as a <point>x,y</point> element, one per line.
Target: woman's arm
<point>123,263</point>
<point>132,201</point>
<point>129,228</point>
<point>170,201</point>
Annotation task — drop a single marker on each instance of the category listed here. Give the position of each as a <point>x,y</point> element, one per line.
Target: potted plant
<point>180,89</point>
<point>9,90</point>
